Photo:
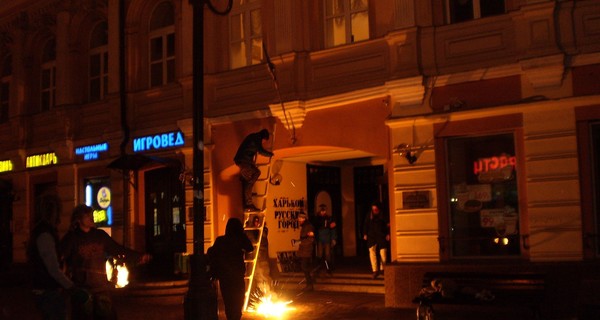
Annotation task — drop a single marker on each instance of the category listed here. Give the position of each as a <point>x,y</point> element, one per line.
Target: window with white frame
<point>346,21</point>
<point>5,74</point>
<point>98,63</point>
<point>245,34</point>
<point>48,76</point>
<point>464,10</point>
<point>162,45</point>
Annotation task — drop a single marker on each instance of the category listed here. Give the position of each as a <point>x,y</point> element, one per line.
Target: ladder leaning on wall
<point>259,196</point>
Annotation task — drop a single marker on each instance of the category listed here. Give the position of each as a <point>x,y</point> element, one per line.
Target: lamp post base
<point>200,302</point>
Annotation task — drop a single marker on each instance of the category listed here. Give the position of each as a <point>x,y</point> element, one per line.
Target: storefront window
<point>98,196</point>
<point>483,197</point>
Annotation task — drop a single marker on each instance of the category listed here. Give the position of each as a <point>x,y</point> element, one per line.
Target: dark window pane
<point>156,73</point>
<point>95,89</point>
<point>95,65</point>
<point>461,10</point>
<point>45,103</point>
<point>105,55</point>
<point>170,71</point>
<point>171,45</point>
<point>491,7</point>
<point>156,49</point>
<point>105,80</point>
<point>45,79</point>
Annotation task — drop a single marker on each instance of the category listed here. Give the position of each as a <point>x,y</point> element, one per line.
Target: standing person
<point>376,232</point>
<point>326,237</point>
<point>305,249</point>
<point>226,258</point>
<point>245,159</point>
<point>85,249</point>
<point>49,281</point>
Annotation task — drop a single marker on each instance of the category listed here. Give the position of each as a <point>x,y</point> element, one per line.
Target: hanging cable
<point>271,68</point>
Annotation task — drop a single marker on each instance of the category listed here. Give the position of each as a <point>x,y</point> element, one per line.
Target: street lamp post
<point>201,299</point>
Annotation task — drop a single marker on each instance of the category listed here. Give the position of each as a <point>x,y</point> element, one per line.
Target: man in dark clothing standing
<point>49,281</point>
<point>326,237</point>
<point>85,249</point>
<point>226,258</point>
<point>305,250</point>
<point>376,232</point>
<point>245,159</point>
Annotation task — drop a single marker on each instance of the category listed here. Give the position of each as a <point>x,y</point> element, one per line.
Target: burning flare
<point>269,308</point>
<point>122,273</point>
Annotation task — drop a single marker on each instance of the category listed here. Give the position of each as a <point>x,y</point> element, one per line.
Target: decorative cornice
<point>295,112</point>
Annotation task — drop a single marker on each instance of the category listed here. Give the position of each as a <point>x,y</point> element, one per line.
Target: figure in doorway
<point>245,159</point>
<point>326,238</point>
<point>305,249</point>
<point>376,233</point>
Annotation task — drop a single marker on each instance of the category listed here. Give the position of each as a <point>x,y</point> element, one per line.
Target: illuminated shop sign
<point>98,196</point>
<point>6,165</point>
<point>495,169</point>
<point>158,141</point>
<point>41,160</point>
<point>494,163</point>
<point>91,152</point>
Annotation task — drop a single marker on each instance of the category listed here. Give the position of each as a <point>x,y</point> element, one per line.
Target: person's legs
<point>103,306</point>
<point>373,257</point>
<point>383,256</point>
<point>306,268</point>
<point>52,304</point>
<point>232,291</point>
<point>249,174</point>
<point>327,256</point>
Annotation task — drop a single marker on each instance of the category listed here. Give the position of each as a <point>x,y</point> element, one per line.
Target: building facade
<point>474,122</point>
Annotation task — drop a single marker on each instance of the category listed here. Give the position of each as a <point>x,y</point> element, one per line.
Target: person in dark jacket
<point>326,237</point>
<point>85,249</point>
<point>376,233</point>
<point>305,249</point>
<point>226,258</point>
<point>49,282</point>
<point>245,159</point>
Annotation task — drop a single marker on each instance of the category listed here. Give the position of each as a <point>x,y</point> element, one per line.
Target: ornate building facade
<point>476,123</point>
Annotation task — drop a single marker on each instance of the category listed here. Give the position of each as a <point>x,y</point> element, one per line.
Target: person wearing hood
<point>226,258</point>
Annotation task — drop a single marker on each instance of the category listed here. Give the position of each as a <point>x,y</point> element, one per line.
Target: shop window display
<point>484,207</point>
